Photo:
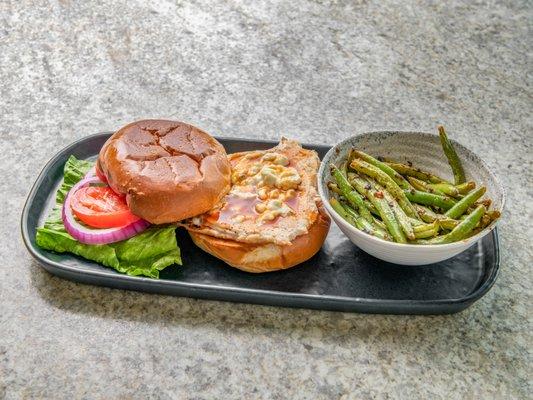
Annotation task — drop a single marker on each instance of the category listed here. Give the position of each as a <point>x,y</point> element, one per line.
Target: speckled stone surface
<point>314,70</point>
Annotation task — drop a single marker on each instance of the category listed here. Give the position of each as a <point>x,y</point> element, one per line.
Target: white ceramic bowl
<point>424,151</point>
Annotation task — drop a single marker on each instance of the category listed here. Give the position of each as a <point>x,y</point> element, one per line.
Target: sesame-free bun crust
<point>168,170</point>
<point>266,257</point>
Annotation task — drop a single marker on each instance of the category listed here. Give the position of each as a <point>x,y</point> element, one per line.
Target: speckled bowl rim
<point>465,242</point>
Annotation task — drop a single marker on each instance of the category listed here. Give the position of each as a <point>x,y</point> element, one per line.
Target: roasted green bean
<point>409,170</point>
<point>430,199</point>
<point>350,194</point>
<point>462,205</point>
<point>386,213</point>
<point>462,230</point>
<point>400,180</point>
<point>453,158</point>
<point>385,180</point>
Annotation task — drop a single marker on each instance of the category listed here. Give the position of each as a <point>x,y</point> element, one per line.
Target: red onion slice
<point>91,173</point>
<point>96,236</point>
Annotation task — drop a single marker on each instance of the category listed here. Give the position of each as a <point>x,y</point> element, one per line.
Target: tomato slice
<point>101,207</point>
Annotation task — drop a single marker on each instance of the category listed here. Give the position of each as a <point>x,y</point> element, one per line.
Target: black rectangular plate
<point>340,277</point>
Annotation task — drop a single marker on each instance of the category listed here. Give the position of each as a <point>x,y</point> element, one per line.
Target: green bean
<point>334,188</point>
<point>349,215</point>
<point>419,184</point>
<point>370,207</point>
<point>366,226</point>
<point>486,220</point>
<point>453,158</point>
<point>444,188</point>
<point>430,216</point>
<point>401,217</point>
<point>425,227</point>
<point>409,170</point>
<point>386,213</point>
<point>416,222</point>
<point>361,223</point>
<point>430,231</point>
<point>425,214</point>
<point>462,230</point>
<point>339,209</point>
<point>484,202</point>
<point>466,187</point>
<point>430,199</point>
<point>344,168</point>
<point>448,223</point>
<point>380,223</point>
<point>385,180</point>
<point>367,202</point>
<point>462,205</point>
<point>350,194</point>
<point>400,180</point>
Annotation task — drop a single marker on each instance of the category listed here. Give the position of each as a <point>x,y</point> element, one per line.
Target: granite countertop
<point>317,71</point>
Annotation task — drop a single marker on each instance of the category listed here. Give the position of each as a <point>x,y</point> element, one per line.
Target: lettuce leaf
<point>73,172</point>
<point>146,253</point>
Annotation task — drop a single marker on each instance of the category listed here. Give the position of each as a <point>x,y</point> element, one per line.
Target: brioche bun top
<point>168,170</point>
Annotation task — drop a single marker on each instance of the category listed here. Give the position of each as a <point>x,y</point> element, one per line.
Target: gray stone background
<point>317,71</point>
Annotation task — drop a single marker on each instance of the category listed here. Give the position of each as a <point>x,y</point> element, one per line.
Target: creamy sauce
<point>235,206</point>
<point>269,200</point>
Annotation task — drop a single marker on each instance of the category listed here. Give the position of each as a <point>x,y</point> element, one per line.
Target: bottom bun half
<point>266,257</point>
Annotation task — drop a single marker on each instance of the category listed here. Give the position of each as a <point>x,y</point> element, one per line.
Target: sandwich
<point>122,211</point>
<point>258,211</point>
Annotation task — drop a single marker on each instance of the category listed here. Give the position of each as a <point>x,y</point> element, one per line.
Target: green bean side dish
<point>400,203</point>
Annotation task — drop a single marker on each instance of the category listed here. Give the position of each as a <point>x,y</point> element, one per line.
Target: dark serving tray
<point>340,277</point>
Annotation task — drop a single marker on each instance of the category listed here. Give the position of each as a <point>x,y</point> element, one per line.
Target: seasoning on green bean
<point>430,199</point>
<point>466,187</point>
<point>400,180</point>
<point>409,170</point>
<point>386,213</point>
<point>426,214</point>
<point>385,180</point>
<point>400,215</point>
<point>423,186</point>
<point>486,220</point>
<point>444,188</point>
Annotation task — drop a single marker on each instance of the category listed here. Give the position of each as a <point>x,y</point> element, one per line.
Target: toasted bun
<point>266,257</point>
<point>168,170</point>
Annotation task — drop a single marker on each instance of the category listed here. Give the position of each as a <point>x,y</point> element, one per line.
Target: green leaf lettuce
<point>146,253</point>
